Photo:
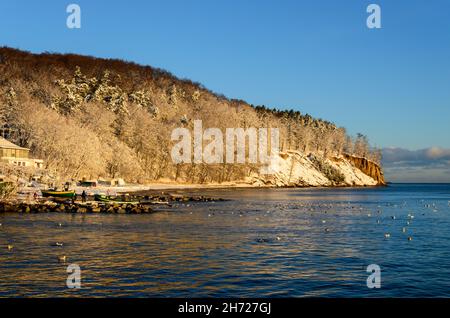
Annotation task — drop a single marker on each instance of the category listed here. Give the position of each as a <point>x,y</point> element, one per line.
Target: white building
<point>19,156</point>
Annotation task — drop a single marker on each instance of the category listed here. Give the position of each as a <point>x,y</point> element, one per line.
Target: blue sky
<point>392,84</point>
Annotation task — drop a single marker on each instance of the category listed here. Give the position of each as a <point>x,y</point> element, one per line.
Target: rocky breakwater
<point>139,205</point>
<point>66,207</point>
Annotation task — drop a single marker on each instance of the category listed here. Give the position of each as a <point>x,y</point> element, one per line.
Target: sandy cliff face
<point>297,169</point>
<point>367,167</point>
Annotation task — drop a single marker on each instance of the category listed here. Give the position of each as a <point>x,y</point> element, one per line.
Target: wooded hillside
<point>91,117</point>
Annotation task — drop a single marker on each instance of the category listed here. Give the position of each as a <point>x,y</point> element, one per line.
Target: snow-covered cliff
<point>297,169</point>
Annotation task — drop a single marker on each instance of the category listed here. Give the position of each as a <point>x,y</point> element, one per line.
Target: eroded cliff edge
<point>367,167</point>
<point>295,169</point>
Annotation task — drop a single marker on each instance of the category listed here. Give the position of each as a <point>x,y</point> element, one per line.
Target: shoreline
<point>181,187</point>
<point>129,204</point>
<point>142,199</point>
<point>159,187</point>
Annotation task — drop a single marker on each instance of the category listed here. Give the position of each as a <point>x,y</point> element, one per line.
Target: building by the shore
<point>16,155</point>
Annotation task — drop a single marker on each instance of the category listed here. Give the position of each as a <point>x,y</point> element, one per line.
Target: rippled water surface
<point>260,243</point>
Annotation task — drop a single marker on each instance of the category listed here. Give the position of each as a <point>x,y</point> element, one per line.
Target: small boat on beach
<point>113,199</point>
<point>58,194</point>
